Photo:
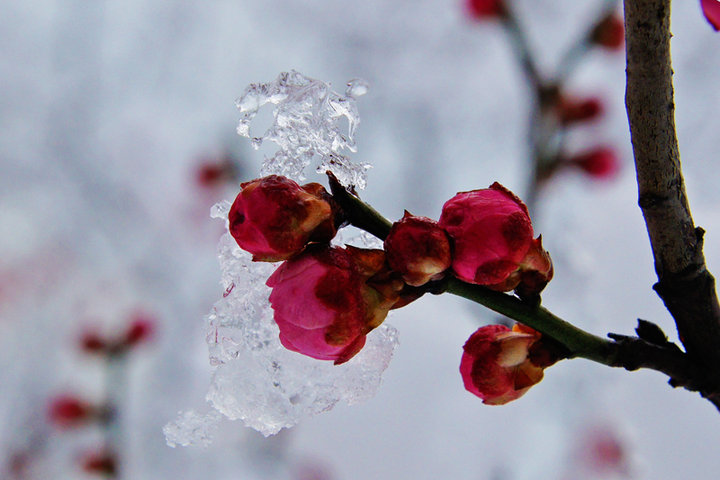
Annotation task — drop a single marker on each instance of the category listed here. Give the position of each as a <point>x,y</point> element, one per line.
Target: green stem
<point>579,342</point>
<point>630,353</point>
<point>358,213</point>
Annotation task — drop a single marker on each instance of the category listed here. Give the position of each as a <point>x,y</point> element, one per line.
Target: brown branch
<point>684,284</point>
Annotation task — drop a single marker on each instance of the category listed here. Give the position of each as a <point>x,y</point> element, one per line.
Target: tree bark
<point>684,284</point>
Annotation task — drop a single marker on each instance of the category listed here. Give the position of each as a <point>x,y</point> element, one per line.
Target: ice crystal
<point>256,379</point>
<point>307,126</point>
<point>192,429</point>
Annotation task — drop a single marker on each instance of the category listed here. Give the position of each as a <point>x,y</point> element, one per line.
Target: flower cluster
<point>326,298</point>
<point>72,411</point>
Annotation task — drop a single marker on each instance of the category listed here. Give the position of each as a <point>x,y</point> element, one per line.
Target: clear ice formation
<point>192,429</point>
<point>307,126</point>
<point>256,379</point>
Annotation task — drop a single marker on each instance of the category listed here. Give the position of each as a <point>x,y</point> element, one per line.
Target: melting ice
<point>256,379</point>
<point>307,126</point>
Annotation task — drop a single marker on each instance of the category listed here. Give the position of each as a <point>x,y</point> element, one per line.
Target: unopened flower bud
<point>326,300</point>
<point>571,110</point>
<point>600,163</point>
<point>102,462</point>
<point>67,411</point>
<point>140,330</point>
<point>491,234</point>
<point>418,249</point>
<point>480,9</point>
<point>603,451</point>
<point>274,218</point>
<point>535,270</point>
<point>499,365</point>
<point>711,10</point>
<point>214,172</point>
<point>609,32</point>
<point>92,342</point>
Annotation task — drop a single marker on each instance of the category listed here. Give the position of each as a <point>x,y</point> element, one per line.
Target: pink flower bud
<point>215,172</point>
<point>480,9</point>
<point>604,452</point>
<point>609,32</point>
<point>711,10</point>
<point>140,330</point>
<point>67,411</point>
<point>274,218</point>
<point>92,342</point>
<point>533,273</point>
<point>572,110</point>
<point>327,299</point>
<point>499,365</point>
<point>101,462</point>
<point>418,249</point>
<point>491,234</point>
<point>600,163</point>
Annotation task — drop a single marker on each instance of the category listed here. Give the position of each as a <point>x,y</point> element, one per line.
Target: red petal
<point>711,10</point>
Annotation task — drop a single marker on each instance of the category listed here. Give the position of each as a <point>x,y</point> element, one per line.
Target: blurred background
<point>117,135</point>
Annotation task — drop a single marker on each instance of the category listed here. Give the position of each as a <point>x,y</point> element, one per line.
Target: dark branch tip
<point>650,332</point>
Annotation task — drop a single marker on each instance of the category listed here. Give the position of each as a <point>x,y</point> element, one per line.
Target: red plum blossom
<point>419,249</point>
<point>711,10</point>
<point>491,234</point>
<point>326,300</point>
<point>601,162</point>
<point>499,364</point>
<point>274,218</point>
<point>69,411</point>
<point>574,110</point>
<point>609,33</point>
<point>485,8</point>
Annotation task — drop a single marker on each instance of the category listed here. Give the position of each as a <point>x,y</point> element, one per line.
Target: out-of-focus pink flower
<point>101,462</point>
<point>418,249</point>
<point>312,470</point>
<point>602,450</point>
<point>480,9</point>
<point>68,411</point>
<point>601,162</point>
<point>491,234</point>
<point>711,10</point>
<point>92,342</point>
<point>274,218</point>
<point>141,329</point>
<point>214,172</point>
<point>327,299</point>
<point>572,110</point>
<point>19,465</point>
<point>609,32</point>
<point>499,365</point>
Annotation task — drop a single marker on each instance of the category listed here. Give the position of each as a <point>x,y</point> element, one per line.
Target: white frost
<point>307,126</point>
